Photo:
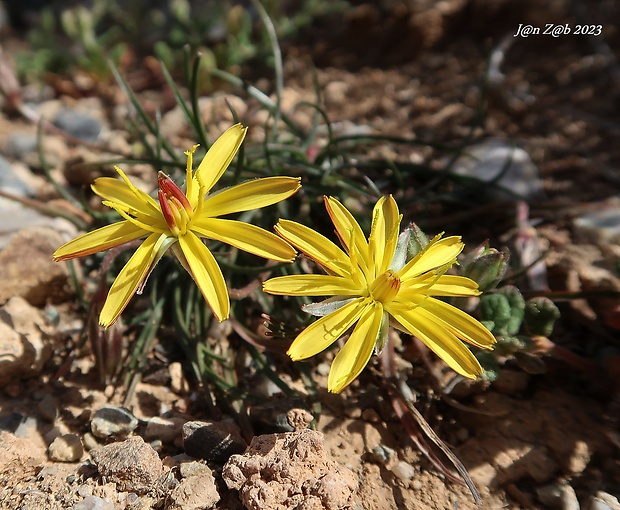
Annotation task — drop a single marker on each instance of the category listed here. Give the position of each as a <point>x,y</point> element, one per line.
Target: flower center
<point>385,287</point>
<point>175,207</point>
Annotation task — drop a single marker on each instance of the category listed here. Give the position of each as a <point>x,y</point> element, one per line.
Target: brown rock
<point>132,464</point>
<point>197,492</point>
<point>289,470</point>
<point>27,268</point>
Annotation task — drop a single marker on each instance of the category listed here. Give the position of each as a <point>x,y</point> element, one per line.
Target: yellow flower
<point>371,285</point>
<point>179,220</point>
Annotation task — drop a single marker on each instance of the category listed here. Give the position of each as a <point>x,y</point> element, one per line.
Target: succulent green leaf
<point>540,316</point>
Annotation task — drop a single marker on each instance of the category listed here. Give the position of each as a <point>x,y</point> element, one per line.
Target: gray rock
<point>132,464</point>
<point>94,503</point>
<point>17,180</point>
<point>78,124</point>
<point>14,357</point>
<point>164,429</point>
<point>600,227</point>
<point>66,448</point>
<point>18,145</point>
<point>383,454</point>
<point>11,182</point>
<point>197,492</point>
<point>24,147</point>
<point>116,422</point>
<point>39,281</point>
<point>214,441</point>
<point>24,344</point>
<point>497,161</point>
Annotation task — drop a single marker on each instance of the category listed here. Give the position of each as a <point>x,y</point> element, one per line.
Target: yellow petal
<point>314,245</point>
<point>436,254</point>
<point>132,200</point>
<point>250,195</point>
<point>438,339</point>
<point>443,285</point>
<point>354,356</point>
<point>450,285</point>
<point>384,233</point>
<point>100,240</point>
<point>207,274</point>
<point>321,334</point>
<point>459,323</point>
<point>311,285</point>
<point>348,231</point>
<point>246,237</point>
<point>129,279</point>
<point>217,159</point>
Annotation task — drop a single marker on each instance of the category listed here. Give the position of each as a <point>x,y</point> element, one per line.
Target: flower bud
<point>486,266</point>
<point>418,240</point>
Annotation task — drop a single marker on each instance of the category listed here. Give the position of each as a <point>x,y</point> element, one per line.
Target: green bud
<point>505,308</point>
<point>417,241</point>
<point>540,316</point>
<point>486,266</point>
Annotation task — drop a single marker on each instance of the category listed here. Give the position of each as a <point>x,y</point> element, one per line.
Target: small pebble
<point>382,454</point>
<point>498,161</point>
<point>89,441</point>
<point>66,448</point>
<point>85,491</point>
<point>404,471</point>
<point>11,182</point>
<point>193,468</point>
<point>78,125</point>
<point>115,422</point>
<point>94,503</point>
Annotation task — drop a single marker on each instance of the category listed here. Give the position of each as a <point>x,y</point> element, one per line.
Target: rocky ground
<point>539,439</point>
